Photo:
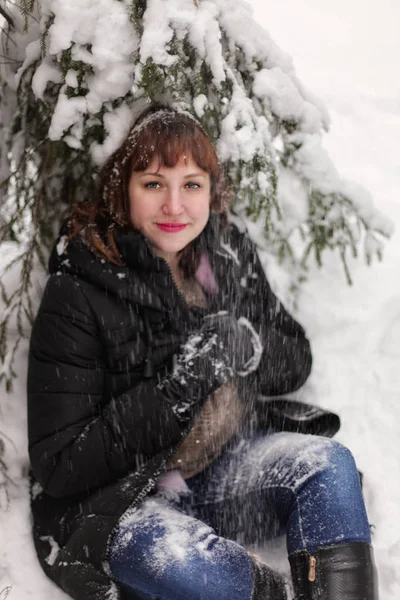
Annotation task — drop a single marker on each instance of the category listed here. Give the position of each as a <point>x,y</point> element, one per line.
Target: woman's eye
<point>192,185</point>
<point>152,185</point>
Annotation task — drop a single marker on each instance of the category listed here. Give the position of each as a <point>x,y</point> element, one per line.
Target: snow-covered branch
<point>79,73</point>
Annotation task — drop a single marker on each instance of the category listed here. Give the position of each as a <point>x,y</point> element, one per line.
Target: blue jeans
<point>188,547</point>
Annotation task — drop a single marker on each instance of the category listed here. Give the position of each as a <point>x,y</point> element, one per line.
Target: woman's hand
<point>222,348</point>
<point>240,341</point>
<point>202,366</point>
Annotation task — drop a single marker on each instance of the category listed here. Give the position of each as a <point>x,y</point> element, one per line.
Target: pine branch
<point>7,17</point>
<point>5,592</point>
<point>26,8</point>
<point>260,140</point>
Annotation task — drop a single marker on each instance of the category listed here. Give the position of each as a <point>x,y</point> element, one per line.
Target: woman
<point>153,457</point>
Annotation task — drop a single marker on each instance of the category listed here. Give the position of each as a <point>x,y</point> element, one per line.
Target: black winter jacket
<point>100,430</point>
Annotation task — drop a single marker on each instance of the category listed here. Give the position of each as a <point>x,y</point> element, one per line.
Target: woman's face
<point>170,206</point>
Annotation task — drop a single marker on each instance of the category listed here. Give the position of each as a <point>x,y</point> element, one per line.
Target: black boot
<point>268,583</point>
<point>340,572</point>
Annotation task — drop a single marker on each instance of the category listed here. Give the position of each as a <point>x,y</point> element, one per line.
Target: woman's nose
<point>173,202</point>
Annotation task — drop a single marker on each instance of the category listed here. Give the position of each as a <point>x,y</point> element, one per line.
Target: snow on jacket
<point>100,430</point>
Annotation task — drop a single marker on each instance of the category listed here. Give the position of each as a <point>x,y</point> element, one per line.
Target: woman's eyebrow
<point>155,174</point>
<point>147,173</point>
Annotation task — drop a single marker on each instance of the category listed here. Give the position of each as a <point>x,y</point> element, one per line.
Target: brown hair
<point>160,132</point>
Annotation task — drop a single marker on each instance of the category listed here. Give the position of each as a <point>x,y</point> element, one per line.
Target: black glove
<point>221,348</point>
<point>240,341</point>
<point>202,366</point>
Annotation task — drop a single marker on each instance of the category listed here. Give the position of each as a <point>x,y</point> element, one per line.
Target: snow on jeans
<point>182,548</point>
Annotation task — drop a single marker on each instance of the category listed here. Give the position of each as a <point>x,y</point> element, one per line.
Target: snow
<point>106,27</point>
<point>279,90</point>
<point>62,244</point>
<point>348,56</point>
<point>197,345</point>
<point>117,124</point>
<point>45,72</point>
<point>233,254</point>
<point>199,103</point>
<point>55,549</point>
<point>183,535</point>
<point>254,361</point>
<point>163,16</point>
<point>115,62</point>
<point>157,34</point>
<point>353,329</point>
<point>243,134</point>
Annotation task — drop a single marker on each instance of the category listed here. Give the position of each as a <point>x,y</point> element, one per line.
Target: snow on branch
<point>79,72</point>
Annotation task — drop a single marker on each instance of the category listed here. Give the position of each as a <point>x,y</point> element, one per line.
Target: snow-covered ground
<point>347,53</point>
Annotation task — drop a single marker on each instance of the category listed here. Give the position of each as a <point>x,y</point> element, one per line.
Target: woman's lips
<point>171,227</point>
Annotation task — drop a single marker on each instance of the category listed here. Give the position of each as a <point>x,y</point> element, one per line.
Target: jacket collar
<point>145,279</point>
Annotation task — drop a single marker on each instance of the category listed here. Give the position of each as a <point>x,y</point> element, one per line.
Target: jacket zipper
<point>145,491</point>
<point>312,569</point>
<point>153,482</point>
<point>178,290</point>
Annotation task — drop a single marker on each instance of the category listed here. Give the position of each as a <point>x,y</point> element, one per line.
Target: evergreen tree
<point>75,74</point>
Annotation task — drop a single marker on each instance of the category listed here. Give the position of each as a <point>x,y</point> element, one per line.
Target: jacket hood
<point>74,257</point>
